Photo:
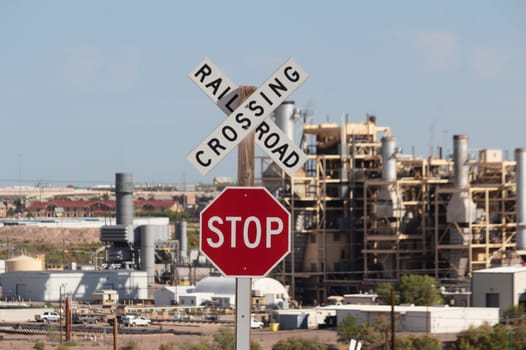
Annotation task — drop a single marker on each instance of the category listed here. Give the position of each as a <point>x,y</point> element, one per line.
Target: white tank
<point>24,263</point>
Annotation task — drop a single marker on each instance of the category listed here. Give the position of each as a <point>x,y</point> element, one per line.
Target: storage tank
<point>24,263</point>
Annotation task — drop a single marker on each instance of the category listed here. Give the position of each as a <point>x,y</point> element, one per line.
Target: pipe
<point>520,178</point>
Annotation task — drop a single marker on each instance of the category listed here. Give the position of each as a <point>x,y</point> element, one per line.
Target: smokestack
<point>148,252</point>
<point>388,158</point>
<point>461,209</point>
<point>182,237</point>
<point>124,194</point>
<point>389,203</point>
<point>520,177</point>
<point>460,157</point>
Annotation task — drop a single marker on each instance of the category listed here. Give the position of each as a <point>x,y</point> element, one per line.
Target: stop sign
<point>245,231</point>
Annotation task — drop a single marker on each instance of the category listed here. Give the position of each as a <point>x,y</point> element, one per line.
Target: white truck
<point>133,321</point>
<point>47,316</point>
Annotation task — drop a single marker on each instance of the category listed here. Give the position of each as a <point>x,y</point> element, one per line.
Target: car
<point>211,318</point>
<point>255,323</point>
<point>182,317</point>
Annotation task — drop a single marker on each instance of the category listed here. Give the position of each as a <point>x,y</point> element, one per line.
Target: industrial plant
<point>363,212</point>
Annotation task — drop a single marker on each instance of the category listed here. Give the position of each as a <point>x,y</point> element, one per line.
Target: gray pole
<point>245,177</point>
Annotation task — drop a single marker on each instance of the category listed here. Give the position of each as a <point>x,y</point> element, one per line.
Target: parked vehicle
<point>119,319</point>
<point>48,316</point>
<point>182,317</point>
<point>255,323</point>
<point>133,321</point>
<point>84,319</point>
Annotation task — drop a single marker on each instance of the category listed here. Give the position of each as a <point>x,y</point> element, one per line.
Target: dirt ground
<point>24,234</point>
<point>265,337</point>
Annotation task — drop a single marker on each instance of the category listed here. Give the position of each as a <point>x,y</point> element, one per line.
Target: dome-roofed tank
<point>24,263</point>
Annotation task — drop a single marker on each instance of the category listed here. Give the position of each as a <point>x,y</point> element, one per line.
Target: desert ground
<point>265,337</point>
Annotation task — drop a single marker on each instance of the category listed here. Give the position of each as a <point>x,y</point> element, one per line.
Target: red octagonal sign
<point>245,231</point>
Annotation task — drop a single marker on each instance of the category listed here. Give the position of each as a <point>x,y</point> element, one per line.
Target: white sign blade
<point>216,85</point>
<point>270,138</point>
<point>248,116</point>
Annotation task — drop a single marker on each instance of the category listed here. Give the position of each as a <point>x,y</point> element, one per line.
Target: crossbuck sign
<point>249,115</point>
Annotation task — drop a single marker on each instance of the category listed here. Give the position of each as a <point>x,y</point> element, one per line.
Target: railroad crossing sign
<point>251,114</point>
<point>245,231</point>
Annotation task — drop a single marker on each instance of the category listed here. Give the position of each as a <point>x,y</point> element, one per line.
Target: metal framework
<point>342,244</point>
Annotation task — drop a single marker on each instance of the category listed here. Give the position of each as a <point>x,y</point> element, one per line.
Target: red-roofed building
<point>97,208</point>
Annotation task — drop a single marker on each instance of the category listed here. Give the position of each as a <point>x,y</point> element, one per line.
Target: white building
<point>222,291</point>
<point>195,299</point>
<point>169,295</point>
<point>50,285</point>
<point>432,319</point>
<point>501,287</point>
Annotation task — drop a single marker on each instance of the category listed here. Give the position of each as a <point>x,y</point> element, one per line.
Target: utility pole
<point>393,326</point>
<point>115,334</point>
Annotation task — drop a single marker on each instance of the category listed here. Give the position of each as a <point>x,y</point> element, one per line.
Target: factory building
<point>51,285</point>
<point>364,212</point>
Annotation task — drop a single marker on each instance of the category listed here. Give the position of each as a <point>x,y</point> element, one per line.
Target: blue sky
<point>91,88</point>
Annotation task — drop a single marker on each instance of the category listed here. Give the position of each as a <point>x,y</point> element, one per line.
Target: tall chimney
<point>389,203</point>
<point>124,195</point>
<point>460,157</point>
<point>461,208</point>
<point>388,158</point>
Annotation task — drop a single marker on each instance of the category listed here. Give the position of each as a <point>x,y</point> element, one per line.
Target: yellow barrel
<point>274,327</point>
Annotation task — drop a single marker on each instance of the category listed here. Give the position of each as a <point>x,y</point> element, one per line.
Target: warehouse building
<point>500,287</point>
<point>51,285</point>
<point>420,319</point>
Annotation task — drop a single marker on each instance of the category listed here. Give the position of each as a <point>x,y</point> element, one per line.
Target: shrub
<point>298,343</point>
<point>131,345</point>
<point>224,339</point>
<point>483,337</point>
<point>190,346</point>
<point>418,343</point>
<point>39,345</point>
<point>347,330</point>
